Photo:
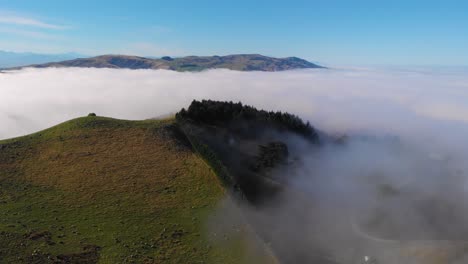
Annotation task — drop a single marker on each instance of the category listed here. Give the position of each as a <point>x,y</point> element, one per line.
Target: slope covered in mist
<point>246,142</point>
<point>316,198</point>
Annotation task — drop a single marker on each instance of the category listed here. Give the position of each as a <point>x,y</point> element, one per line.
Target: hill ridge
<point>239,62</point>
<point>102,190</point>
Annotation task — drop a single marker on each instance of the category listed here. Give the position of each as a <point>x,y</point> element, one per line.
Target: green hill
<point>240,62</point>
<point>101,190</point>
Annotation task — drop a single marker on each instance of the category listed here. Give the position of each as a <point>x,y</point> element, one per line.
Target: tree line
<point>216,112</point>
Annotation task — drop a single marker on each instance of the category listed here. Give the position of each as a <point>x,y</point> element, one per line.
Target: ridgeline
<point>241,62</point>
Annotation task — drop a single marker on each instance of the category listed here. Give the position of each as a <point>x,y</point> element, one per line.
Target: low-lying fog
<point>415,167</point>
<point>395,101</point>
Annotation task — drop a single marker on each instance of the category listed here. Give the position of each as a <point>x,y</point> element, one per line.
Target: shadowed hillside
<point>247,143</point>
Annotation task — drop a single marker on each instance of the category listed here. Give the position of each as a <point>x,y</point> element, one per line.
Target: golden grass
<point>130,188</point>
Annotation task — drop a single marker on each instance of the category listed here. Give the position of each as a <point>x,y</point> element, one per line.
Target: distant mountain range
<point>16,59</point>
<point>241,62</point>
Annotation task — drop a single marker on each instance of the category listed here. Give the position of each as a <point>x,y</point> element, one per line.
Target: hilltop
<point>102,190</point>
<point>242,62</point>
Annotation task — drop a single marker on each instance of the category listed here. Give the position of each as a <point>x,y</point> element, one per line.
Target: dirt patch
<point>89,255</point>
<point>46,235</point>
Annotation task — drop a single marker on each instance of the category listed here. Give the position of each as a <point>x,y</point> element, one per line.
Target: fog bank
<point>333,100</point>
<point>408,143</point>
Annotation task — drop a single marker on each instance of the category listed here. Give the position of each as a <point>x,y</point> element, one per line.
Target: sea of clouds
<point>425,109</point>
<point>335,100</point>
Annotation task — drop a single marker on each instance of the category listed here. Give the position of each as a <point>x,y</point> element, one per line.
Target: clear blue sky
<point>329,31</point>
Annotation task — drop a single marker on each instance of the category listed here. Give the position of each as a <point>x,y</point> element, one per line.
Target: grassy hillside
<point>100,190</point>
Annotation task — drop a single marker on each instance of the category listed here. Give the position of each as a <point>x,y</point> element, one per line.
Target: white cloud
<point>26,21</point>
<point>27,33</point>
<point>333,100</point>
<point>445,111</point>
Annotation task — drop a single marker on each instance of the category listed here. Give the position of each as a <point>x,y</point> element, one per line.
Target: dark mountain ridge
<point>240,62</point>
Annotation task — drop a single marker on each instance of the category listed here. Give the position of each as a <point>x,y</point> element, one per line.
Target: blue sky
<point>328,31</point>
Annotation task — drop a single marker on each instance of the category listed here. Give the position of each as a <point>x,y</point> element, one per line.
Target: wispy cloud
<point>27,21</point>
<point>27,33</point>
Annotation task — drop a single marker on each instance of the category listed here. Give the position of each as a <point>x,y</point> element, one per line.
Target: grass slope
<point>100,190</point>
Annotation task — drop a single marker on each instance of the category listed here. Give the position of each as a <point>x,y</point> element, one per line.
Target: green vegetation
<point>270,156</point>
<point>213,160</point>
<point>101,190</point>
<point>215,112</point>
<point>243,144</point>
